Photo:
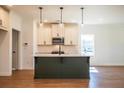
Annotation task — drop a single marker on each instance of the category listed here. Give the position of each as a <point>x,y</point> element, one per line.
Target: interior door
<point>14,49</point>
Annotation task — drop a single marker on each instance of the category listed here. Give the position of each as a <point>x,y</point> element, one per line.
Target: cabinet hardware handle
<point>71,42</point>
<point>0,21</point>
<point>57,34</point>
<point>44,42</point>
<point>14,51</point>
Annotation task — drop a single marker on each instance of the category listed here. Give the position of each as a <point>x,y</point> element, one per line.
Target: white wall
<point>5,57</point>
<point>16,23</point>
<point>25,27</point>
<point>5,50</point>
<point>27,34</point>
<point>6,45</point>
<point>109,43</point>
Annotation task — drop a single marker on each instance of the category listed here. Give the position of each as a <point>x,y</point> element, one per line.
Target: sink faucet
<point>59,49</point>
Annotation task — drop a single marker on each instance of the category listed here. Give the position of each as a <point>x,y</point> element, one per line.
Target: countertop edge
<point>62,55</point>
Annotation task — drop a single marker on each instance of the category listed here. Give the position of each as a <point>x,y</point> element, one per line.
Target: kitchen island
<point>61,66</point>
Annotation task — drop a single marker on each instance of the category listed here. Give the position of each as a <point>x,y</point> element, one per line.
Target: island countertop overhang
<point>61,55</point>
<point>61,66</point>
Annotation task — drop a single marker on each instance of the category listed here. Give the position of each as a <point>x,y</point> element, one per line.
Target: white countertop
<point>62,55</point>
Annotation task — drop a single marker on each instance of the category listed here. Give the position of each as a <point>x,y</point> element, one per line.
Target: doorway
<point>15,49</point>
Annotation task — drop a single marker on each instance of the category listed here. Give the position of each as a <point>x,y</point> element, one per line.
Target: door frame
<point>19,66</point>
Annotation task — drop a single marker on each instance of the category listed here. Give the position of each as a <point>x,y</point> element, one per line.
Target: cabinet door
<point>67,36</point>
<point>71,35</point>
<point>75,67</point>
<point>44,36</point>
<point>47,36</point>
<point>74,37</point>
<point>40,36</point>
<point>4,18</point>
<point>47,67</point>
<point>61,30</point>
<point>57,30</point>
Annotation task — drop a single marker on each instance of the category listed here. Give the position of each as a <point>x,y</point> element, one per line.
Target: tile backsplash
<point>66,49</point>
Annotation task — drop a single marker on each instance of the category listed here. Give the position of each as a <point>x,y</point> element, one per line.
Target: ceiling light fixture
<point>82,15</point>
<point>40,8</point>
<point>61,21</point>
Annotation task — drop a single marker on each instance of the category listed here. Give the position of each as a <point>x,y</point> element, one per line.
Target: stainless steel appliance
<point>57,41</point>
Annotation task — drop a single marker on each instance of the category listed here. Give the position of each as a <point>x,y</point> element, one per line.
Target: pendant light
<point>40,8</point>
<point>61,10</point>
<point>82,15</point>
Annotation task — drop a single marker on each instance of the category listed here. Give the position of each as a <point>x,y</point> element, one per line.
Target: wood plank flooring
<point>100,77</point>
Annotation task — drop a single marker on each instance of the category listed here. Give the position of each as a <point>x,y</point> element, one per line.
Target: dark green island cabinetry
<point>61,67</point>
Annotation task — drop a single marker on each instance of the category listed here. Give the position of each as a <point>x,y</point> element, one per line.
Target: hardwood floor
<point>103,77</point>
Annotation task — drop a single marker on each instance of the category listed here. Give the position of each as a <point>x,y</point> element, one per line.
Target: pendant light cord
<point>61,8</point>
<point>40,14</point>
<point>82,14</point>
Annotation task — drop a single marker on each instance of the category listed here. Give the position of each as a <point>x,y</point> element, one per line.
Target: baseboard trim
<point>5,73</point>
<point>26,69</point>
<point>107,65</point>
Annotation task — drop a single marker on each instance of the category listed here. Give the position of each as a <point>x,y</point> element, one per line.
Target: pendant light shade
<point>40,8</point>
<point>61,10</point>
<point>82,14</point>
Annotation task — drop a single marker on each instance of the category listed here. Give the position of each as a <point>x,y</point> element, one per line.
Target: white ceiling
<point>93,14</point>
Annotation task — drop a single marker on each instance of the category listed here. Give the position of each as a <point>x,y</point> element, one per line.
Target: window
<point>87,44</point>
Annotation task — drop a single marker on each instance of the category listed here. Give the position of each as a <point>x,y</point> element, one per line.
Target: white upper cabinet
<point>57,30</point>
<point>4,19</point>
<point>44,35</point>
<point>71,34</point>
<point>69,31</point>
